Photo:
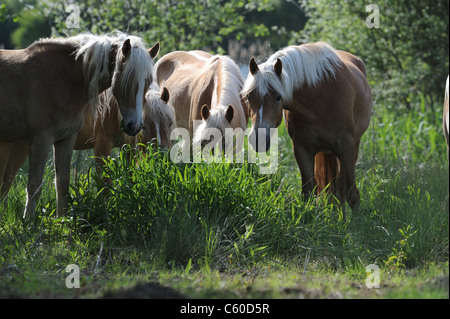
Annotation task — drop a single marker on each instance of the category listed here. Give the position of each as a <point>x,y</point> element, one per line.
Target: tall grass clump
<point>178,212</point>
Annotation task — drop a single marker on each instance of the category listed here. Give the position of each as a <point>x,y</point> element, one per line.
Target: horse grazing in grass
<point>446,121</point>
<point>327,105</point>
<point>159,118</point>
<point>104,133</point>
<point>46,88</point>
<point>203,88</point>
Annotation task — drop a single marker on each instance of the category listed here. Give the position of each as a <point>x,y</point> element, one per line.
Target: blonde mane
<point>231,83</point>
<point>138,67</point>
<point>162,114</point>
<point>307,64</point>
<point>94,50</point>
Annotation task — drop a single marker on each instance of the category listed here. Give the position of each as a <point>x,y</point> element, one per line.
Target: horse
<point>203,88</point>
<point>445,121</point>
<point>46,88</point>
<point>327,105</point>
<point>103,132</point>
<point>159,118</point>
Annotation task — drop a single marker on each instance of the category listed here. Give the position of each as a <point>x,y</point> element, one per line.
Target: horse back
<point>183,75</point>
<point>349,58</point>
<point>39,88</point>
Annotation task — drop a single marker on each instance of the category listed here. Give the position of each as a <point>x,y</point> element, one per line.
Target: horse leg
<point>62,158</point>
<point>5,151</point>
<point>39,149</point>
<point>347,190</point>
<point>17,157</point>
<point>305,162</point>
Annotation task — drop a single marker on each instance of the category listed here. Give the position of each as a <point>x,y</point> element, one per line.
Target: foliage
<point>405,57</point>
<point>3,11</point>
<point>178,25</point>
<point>32,26</point>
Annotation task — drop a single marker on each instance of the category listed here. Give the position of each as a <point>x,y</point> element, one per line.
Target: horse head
<point>212,130</point>
<point>159,117</point>
<point>132,77</point>
<point>264,103</point>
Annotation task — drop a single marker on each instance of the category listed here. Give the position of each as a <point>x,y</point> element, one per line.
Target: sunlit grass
<point>224,220</point>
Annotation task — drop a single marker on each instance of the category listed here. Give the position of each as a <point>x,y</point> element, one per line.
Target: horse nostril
<point>130,127</point>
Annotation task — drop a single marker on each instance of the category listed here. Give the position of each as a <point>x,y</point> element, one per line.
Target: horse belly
<point>13,126</point>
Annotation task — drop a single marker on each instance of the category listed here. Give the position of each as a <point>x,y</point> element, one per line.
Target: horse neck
<point>226,85</point>
<point>227,90</point>
<point>105,83</point>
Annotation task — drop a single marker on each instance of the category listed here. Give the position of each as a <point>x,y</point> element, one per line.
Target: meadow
<point>223,230</point>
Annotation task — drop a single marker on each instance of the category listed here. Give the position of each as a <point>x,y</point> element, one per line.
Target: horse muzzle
<point>132,128</point>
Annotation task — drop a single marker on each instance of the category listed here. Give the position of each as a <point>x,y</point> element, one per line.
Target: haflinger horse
<point>327,105</point>
<point>105,133</point>
<point>203,88</point>
<point>102,132</point>
<point>46,88</point>
<point>445,123</point>
<point>159,118</point>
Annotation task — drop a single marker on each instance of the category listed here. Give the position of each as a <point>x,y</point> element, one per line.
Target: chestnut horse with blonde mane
<point>103,132</point>
<point>203,88</point>
<point>327,104</point>
<point>46,88</point>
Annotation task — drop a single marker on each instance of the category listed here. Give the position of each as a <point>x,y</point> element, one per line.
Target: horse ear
<point>165,95</point>
<point>205,112</point>
<point>253,66</point>
<point>126,48</point>
<point>278,67</point>
<point>229,114</point>
<point>154,50</point>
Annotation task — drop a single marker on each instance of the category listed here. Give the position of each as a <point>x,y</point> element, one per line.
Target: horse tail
<point>326,170</point>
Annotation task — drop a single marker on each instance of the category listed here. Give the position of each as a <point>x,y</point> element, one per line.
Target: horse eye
<point>278,98</point>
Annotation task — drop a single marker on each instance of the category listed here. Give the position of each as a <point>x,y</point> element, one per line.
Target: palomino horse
<point>203,88</point>
<point>327,103</point>
<point>103,133</point>
<point>159,118</point>
<point>446,121</point>
<point>46,88</point>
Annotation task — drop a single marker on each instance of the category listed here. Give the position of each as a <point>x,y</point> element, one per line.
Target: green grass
<point>223,230</point>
